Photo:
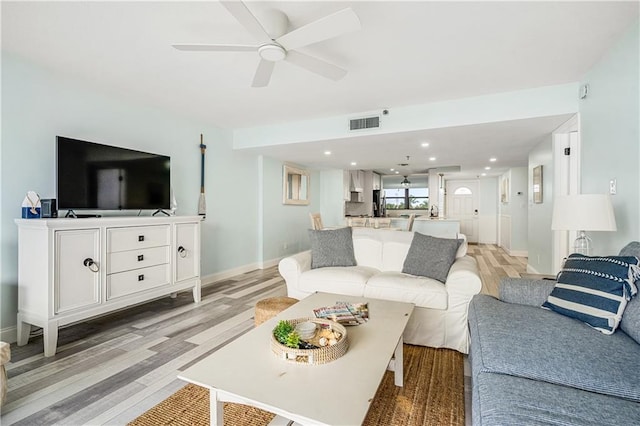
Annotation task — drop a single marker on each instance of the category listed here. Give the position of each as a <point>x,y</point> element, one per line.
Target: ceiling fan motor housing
<point>272,52</point>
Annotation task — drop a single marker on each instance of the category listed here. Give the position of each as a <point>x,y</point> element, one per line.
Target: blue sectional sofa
<point>534,366</point>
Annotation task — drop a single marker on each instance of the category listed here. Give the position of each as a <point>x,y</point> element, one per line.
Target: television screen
<point>103,177</point>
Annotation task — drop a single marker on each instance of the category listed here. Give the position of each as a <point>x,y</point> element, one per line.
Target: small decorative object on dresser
<point>31,206</point>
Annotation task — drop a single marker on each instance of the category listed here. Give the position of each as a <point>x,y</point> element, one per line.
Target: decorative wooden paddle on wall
<point>202,203</point>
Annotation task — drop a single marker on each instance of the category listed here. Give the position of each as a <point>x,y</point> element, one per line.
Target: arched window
<point>463,190</point>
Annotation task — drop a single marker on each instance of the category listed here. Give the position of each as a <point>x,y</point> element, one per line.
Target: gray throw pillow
<point>630,323</point>
<point>331,247</point>
<point>431,257</point>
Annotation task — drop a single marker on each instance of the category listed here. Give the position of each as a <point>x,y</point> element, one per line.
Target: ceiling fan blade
<point>263,73</point>
<point>336,24</point>
<point>203,47</point>
<point>316,65</point>
<point>240,11</point>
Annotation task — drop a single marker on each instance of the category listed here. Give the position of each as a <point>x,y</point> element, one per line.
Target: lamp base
<point>583,244</point>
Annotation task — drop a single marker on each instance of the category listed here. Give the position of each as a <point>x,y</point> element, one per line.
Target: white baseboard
<point>532,270</point>
<point>9,334</point>
<point>223,275</point>
<point>269,263</point>
<point>518,253</point>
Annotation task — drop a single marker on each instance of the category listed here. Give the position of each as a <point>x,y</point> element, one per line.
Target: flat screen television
<point>92,176</point>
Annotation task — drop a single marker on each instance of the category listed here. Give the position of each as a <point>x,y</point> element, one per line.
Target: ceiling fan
<point>275,44</point>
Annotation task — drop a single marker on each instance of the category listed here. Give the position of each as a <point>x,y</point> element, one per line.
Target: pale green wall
<point>488,210</point>
<point>284,225</point>
<point>518,209</point>
<point>539,218</point>
<point>332,202</point>
<point>610,138</point>
<point>37,106</point>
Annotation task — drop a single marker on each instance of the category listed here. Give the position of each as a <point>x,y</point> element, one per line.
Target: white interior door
<point>566,141</point>
<point>462,204</point>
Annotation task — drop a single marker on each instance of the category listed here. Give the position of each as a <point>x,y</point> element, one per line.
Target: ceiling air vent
<point>364,123</point>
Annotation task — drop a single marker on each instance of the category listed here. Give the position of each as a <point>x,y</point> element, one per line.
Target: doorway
<point>462,204</point>
<point>566,160</point>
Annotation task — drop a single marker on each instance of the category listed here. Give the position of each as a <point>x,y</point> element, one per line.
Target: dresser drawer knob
<point>141,277</point>
<point>91,264</point>
<point>182,252</point>
<point>140,257</point>
<point>140,237</point>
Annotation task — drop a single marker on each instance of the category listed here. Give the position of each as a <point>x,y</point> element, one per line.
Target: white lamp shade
<point>583,212</point>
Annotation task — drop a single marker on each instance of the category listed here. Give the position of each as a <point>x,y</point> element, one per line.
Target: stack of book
<point>344,313</point>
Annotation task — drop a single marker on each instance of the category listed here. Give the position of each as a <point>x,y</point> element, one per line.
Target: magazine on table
<point>344,313</point>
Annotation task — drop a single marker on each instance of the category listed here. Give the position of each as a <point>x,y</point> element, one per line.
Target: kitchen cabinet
<point>377,182</point>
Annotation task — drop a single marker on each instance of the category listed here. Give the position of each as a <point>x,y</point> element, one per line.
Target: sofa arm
<point>463,277</point>
<point>292,267</point>
<point>525,291</point>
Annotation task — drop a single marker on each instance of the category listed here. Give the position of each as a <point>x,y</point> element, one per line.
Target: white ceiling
<point>407,53</point>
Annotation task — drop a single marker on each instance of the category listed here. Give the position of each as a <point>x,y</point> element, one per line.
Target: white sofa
<point>440,316</point>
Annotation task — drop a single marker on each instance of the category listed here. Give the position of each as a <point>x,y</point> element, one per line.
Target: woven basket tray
<point>312,356</point>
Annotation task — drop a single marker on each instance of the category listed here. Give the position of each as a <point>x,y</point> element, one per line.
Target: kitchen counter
<point>437,227</point>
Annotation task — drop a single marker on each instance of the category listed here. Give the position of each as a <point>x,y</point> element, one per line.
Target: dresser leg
<point>24,329</point>
<point>50,335</point>
<point>196,293</point>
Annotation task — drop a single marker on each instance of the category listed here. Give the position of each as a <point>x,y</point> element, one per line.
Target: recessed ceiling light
<point>391,170</point>
<point>484,174</point>
<point>487,168</point>
<point>432,158</point>
<point>353,163</point>
<point>397,172</point>
<point>425,144</point>
<point>492,159</point>
<point>327,153</point>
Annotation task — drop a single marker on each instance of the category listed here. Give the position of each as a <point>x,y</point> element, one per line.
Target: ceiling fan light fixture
<point>272,52</point>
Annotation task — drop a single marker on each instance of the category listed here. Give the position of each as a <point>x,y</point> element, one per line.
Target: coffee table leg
<point>398,365</point>
<point>216,411</point>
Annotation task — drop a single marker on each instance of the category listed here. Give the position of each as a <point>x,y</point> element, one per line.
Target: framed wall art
<point>504,190</point>
<point>537,184</point>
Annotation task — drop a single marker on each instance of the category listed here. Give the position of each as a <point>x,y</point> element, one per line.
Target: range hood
<point>355,182</point>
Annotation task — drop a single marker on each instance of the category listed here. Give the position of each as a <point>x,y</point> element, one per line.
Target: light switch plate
<point>613,186</point>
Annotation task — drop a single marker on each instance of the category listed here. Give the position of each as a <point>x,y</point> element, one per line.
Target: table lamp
<point>583,212</point>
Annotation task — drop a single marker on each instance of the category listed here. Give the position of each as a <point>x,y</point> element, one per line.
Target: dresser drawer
<point>132,238</point>
<point>134,259</point>
<point>129,282</point>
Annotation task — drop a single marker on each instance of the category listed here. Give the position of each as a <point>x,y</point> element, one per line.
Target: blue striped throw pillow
<point>595,290</point>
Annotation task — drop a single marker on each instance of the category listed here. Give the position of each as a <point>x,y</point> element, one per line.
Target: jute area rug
<point>433,394</point>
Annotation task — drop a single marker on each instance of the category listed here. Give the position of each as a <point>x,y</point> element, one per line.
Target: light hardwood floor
<point>111,369</point>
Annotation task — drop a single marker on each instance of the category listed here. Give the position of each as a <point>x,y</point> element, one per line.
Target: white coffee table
<point>340,392</point>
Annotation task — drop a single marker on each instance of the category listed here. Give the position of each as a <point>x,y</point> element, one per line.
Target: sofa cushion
<point>423,292</point>
<point>595,289</point>
<point>630,323</point>
<point>340,280</point>
<point>331,247</point>
<point>540,344</point>
<point>431,257</point>
<point>506,400</point>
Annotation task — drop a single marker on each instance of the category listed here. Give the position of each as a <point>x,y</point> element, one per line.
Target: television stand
<point>160,211</point>
<point>73,270</point>
<point>71,213</point>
